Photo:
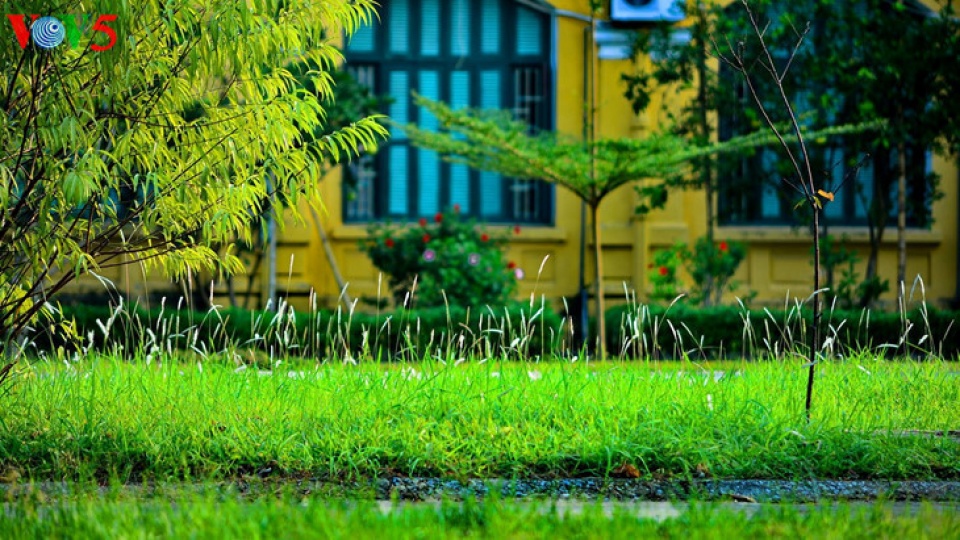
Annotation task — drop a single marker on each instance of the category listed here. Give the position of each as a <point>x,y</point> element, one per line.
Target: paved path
<point>662,511</point>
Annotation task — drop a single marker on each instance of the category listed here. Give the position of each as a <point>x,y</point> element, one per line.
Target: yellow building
<point>536,57</point>
<point>530,56</point>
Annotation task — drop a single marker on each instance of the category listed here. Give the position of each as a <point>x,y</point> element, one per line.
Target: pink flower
<point>429,255</point>
<point>519,273</point>
<point>474,259</point>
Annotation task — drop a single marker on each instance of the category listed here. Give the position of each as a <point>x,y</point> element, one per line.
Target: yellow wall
<point>778,261</point>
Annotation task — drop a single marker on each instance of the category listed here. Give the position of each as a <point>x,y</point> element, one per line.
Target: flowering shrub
<point>446,255</point>
<point>663,274</point>
<point>712,265</point>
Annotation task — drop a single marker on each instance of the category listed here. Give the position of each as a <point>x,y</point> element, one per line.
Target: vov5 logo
<point>49,31</point>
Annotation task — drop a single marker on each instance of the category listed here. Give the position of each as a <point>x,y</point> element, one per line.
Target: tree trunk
<point>901,224</point>
<point>331,258</point>
<point>703,126</point>
<point>601,303</point>
<point>877,218</point>
<point>271,216</point>
<point>231,292</point>
<point>254,270</point>
<point>271,262</point>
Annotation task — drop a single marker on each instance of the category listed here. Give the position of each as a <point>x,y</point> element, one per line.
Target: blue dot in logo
<point>47,32</point>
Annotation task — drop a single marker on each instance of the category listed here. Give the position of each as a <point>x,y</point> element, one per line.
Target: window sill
<point>790,235</point>
<point>528,234</point>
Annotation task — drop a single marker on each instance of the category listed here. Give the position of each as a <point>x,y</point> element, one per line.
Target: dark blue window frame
<point>523,65</point>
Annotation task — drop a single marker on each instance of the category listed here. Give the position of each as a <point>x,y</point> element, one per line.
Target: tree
<point>157,147</point>
<point>893,60</point>
<point>862,62</point>
<point>349,102</point>
<point>678,65</point>
<point>494,141</point>
<point>753,58</point>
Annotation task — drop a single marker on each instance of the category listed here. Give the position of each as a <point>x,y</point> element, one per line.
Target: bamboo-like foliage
<point>160,147</point>
<point>495,141</point>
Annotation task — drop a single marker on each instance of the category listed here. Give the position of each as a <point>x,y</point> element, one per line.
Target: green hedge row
<point>732,332</point>
<point>512,330</point>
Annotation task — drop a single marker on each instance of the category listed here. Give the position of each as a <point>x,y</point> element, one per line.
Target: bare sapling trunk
<point>815,334</point>
<point>805,182</point>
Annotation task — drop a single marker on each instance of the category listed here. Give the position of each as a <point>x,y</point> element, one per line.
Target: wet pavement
<point>663,511</point>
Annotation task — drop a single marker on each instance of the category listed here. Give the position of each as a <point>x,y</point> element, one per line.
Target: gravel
<point>434,489</point>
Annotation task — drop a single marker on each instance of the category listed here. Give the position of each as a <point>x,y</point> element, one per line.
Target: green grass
<point>103,419</point>
<point>289,517</point>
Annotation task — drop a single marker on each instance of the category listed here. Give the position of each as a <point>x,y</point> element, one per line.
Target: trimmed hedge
<point>329,334</point>
<point>732,332</point>
<point>647,331</point>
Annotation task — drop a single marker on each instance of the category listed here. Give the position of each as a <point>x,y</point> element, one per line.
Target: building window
<point>752,190</point>
<point>468,53</point>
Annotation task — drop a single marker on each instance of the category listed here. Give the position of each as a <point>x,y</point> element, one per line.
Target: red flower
<point>438,218</point>
<point>456,208</point>
<point>426,238</point>
<point>423,222</point>
<point>664,271</point>
<point>484,237</point>
<point>516,229</point>
<point>723,246</point>
<point>389,242</point>
<point>511,265</point>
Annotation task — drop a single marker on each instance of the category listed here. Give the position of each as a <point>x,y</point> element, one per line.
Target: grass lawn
<point>102,419</point>
<point>290,517</point>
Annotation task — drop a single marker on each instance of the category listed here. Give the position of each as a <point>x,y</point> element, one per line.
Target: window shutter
<point>399,26</point>
<point>490,89</point>
<point>460,174</point>
<point>363,39</point>
<point>769,200</point>
<point>400,91</point>
<point>491,184</point>
<point>398,180</point>
<point>430,27</point>
<point>529,32</point>
<point>490,27</point>
<point>399,154</point>
<point>460,36</point>
<point>429,173</point>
